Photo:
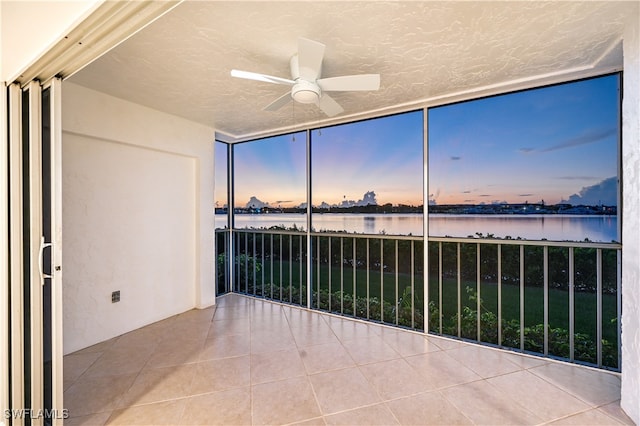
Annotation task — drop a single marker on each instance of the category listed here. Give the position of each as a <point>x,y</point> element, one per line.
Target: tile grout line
<point>313,391</point>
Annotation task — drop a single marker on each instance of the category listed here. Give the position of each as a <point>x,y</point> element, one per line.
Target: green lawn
<point>343,279</point>
<point>584,306</point>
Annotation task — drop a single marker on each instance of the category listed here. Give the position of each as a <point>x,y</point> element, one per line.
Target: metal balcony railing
<point>556,299</point>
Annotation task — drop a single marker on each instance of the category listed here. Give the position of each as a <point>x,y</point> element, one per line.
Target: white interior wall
<point>137,216</point>
<point>20,44</point>
<point>630,398</point>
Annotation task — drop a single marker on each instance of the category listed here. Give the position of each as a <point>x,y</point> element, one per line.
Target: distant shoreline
<point>449,209</point>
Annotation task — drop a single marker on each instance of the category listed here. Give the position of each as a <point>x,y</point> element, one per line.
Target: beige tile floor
<point>250,361</point>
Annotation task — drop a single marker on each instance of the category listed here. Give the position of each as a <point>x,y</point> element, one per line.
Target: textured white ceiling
<point>180,64</point>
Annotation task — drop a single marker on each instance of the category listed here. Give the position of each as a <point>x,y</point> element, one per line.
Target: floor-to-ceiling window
<point>526,185</point>
<point>523,230</point>
<point>367,197</point>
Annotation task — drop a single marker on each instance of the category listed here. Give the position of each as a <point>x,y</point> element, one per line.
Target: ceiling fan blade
<point>329,106</point>
<point>279,103</point>
<point>310,54</point>
<point>350,83</point>
<point>261,77</point>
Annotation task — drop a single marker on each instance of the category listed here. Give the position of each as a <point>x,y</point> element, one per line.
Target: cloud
<point>466,192</point>
<point>604,192</point>
<point>455,158</point>
<point>255,203</point>
<point>526,195</point>
<point>369,198</point>
<point>588,137</point>
<point>485,195</point>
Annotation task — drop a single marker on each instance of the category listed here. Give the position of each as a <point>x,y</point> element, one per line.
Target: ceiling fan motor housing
<point>305,92</point>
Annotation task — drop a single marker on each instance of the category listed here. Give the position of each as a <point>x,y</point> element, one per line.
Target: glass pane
<point>536,164</point>
<point>367,176</point>
<point>220,194</point>
<point>47,264</point>
<point>270,183</point>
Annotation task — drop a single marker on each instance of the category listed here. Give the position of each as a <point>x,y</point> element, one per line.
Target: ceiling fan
<point>307,86</point>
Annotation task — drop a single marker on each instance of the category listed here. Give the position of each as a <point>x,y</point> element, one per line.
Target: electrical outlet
<point>115,296</point>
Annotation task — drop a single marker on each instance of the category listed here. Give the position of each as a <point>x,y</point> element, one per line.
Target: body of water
<point>529,227</point>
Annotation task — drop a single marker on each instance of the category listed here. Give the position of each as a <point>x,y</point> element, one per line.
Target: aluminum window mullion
<point>230,271</point>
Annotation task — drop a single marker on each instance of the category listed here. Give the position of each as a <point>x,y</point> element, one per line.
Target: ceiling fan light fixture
<point>306,97</point>
<point>305,92</point>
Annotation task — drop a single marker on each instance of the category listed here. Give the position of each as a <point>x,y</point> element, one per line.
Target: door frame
<point>24,353</point>
<point>57,385</point>
<point>16,339</point>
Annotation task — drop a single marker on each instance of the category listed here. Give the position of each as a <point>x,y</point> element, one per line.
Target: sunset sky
<point>554,144</point>
<point>546,144</point>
